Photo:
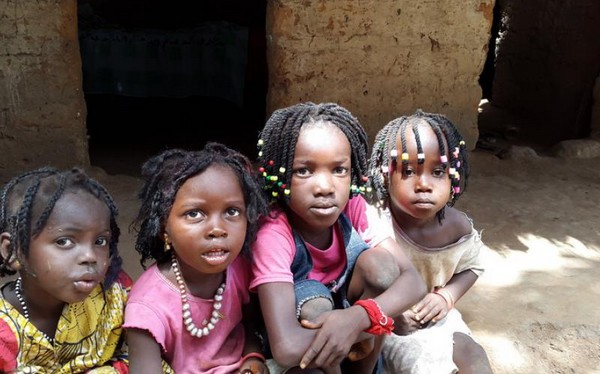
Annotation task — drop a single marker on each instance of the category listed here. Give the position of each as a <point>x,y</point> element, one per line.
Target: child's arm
<point>404,292</point>
<point>436,305</point>
<point>253,360</point>
<point>289,341</point>
<point>144,352</point>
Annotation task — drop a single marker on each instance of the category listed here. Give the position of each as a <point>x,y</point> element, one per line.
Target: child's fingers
<point>310,324</point>
<point>308,357</point>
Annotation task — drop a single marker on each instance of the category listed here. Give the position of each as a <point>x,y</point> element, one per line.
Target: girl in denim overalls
<point>323,268</point>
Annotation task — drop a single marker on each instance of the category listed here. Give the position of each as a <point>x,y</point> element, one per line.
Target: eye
<point>194,214</point>
<point>438,173</point>
<point>102,241</point>
<point>340,170</point>
<point>408,172</point>
<point>301,172</point>
<point>233,212</point>
<point>64,242</point>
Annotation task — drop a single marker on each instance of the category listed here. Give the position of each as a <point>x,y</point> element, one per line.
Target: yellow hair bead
<point>404,156</point>
<point>273,178</point>
<point>275,193</point>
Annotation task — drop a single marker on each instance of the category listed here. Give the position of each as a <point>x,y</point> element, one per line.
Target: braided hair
<point>277,145</point>
<point>167,171</point>
<point>27,201</point>
<point>384,154</point>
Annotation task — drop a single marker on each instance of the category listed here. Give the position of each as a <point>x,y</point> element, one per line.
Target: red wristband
<point>380,323</point>
<point>256,355</point>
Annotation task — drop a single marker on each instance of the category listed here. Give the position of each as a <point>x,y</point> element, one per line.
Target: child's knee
<point>378,268</point>
<point>467,352</point>
<point>315,307</point>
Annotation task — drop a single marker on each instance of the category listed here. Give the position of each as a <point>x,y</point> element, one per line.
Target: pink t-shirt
<point>274,249</point>
<point>154,305</point>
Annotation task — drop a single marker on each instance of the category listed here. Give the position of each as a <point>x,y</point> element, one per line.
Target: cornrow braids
<point>27,201</point>
<point>277,145</point>
<point>167,171</point>
<point>383,155</point>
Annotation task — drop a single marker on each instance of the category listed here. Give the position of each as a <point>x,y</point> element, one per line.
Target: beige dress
<point>429,350</point>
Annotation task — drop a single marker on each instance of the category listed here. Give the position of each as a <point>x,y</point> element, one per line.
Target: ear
<point>4,245</point>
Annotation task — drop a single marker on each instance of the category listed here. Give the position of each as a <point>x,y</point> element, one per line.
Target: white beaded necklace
<point>207,326</point>
<point>21,299</point>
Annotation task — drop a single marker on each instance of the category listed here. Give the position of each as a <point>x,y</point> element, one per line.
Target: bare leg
<point>315,307</point>
<point>375,271</point>
<point>469,356</point>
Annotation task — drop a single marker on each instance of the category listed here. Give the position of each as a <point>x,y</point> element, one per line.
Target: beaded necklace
<point>207,326</point>
<point>19,293</point>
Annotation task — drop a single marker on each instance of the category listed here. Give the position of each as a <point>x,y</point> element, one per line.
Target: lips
<point>423,203</point>
<point>216,256</point>
<point>324,210</point>
<point>324,207</point>
<point>86,283</point>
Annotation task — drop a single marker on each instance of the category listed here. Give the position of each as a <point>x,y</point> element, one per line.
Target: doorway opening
<point>162,75</point>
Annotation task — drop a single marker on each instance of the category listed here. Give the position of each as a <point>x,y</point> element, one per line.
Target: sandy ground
<point>535,309</point>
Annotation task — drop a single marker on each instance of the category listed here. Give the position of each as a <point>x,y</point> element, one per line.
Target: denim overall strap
<point>354,247</point>
<point>307,289</point>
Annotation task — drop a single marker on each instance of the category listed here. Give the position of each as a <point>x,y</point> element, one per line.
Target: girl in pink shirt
<point>191,309</point>
<point>323,274</point>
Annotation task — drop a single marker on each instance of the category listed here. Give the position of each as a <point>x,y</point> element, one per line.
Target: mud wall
<point>42,112</point>
<point>380,58</point>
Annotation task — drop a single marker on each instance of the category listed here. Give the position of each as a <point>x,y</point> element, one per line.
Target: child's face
<point>70,255</point>
<point>419,191</point>
<point>320,185</point>
<point>207,223</point>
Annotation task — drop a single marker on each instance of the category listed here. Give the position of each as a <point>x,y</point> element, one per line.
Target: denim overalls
<point>307,289</point>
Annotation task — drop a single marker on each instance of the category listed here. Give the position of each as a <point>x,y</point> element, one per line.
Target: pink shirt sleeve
<point>273,252</point>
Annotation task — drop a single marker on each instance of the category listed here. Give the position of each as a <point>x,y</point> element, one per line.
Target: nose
<point>217,228</point>
<point>324,184</point>
<point>88,256</point>
<point>423,183</point>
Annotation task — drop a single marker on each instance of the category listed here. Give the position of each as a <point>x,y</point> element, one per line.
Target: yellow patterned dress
<point>88,337</point>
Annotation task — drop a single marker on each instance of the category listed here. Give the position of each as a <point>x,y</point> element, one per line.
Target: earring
<point>167,243</point>
<point>15,265</point>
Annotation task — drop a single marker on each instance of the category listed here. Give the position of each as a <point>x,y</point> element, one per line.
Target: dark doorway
<point>159,74</point>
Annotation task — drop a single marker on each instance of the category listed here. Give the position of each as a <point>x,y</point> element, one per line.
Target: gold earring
<point>167,244</point>
<point>15,265</point>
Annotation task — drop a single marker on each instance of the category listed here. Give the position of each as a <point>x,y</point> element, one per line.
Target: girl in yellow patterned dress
<point>63,313</point>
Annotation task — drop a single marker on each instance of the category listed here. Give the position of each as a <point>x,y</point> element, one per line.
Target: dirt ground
<point>535,309</point>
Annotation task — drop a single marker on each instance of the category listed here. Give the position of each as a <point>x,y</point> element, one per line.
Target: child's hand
<point>432,308</point>
<point>254,366</point>
<point>406,323</point>
<point>337,332</point>
<point>361,349</point>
